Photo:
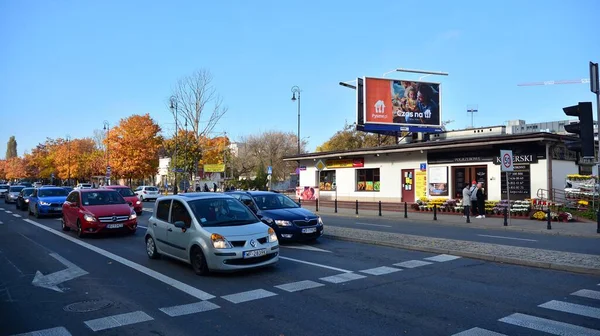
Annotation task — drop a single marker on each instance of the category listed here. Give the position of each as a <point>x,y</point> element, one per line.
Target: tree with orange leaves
<point>214,150</point>
<point>77,158</point>
<point>15,169</point>
<point>2,170</point>
<point>133,147</point>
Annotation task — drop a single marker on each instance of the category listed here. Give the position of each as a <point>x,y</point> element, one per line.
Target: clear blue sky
<point>67,65</point>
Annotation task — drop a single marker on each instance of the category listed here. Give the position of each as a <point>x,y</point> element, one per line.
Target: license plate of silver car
<point>114,226</point>
<point>255,253</point>
<point>309,230</point>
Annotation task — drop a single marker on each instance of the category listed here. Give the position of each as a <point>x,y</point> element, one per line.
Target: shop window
<point>367,180</point>
<point>326,180</point>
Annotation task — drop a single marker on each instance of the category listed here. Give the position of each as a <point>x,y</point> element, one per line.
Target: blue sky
<point>66,66</point>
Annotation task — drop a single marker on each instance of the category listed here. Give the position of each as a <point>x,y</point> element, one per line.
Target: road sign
<point>320,165</point>
<point>506,157</point>
<point>270,170</point>
<point>423,166</point>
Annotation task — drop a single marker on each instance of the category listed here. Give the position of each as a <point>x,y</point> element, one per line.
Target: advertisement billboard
<point>400,105</point>
<point>214,168</point>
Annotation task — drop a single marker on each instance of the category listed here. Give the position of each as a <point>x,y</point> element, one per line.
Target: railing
<point>557,198</point>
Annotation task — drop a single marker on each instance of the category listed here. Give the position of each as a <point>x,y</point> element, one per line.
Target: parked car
<point>129,196</point>
<point>13,193</point>
<point>92,211</point>
<point>3,190</point>
<point>83,186</point>
<point>47,201</point>
<point>68,189</point>
<point>147,193</point>
<point>26,184</point>
<point>37,184</point>
<point>23,198</point>
<point>286,217</point>
<point>212,232</point>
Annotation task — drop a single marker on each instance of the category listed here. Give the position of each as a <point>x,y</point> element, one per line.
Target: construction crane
<point>573,81</point>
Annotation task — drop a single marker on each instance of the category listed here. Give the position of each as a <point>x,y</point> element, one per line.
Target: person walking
<point>480,200</point>
<point>474,198</point>
<point>214,187</point>
<point>466,200</point>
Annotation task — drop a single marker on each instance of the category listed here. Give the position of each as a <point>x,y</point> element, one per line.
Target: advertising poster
<point>420,184</point>
<point>438,181</point>
<point>307,193</point>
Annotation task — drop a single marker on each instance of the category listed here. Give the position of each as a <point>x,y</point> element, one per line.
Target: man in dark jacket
<point>480,200</point>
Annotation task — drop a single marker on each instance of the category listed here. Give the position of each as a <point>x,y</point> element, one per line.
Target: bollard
<point>598,221</point>
<point>357,207</point>
<point>435,212</point>
<point>379,208</point>
<point>505,217</point>
<point>549,215</point>
<point>335,205</point>
<point>405,210</point>
<point>317,205</point>
<point>468,211</point>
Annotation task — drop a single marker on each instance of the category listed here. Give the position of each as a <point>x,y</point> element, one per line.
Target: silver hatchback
<point>212,232</point>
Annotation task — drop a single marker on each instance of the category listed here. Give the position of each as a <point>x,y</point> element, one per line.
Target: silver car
<point>212,232</point>
<point>13,194</point>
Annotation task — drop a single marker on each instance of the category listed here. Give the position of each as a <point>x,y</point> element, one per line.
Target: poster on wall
<point>307,193</point>
<point>420,184</point>
<point>438,181</point>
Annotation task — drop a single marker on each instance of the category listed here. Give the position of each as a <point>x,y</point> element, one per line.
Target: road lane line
<point>572,308</point>
<point>120,320</point>
<point>586,293</point>
<point>142,227</point>
<point>380,270</point>
<point>369,224</point>
<point>299,286</point>
<point>1,222</point>
<point>478,332</point>
<point>195,292</point>
<point>8,212</point>
<point>248,296</point>
<point>413,263</point>
<point>305,247</point>
<point>315,264</point>
<point>187,309</point>
<point>1,209</point>
<point>58,331</point>
<point>17,215</point>
<point>442,258</point>
<point>502,237</point>
<point>548,326</point>
<point>344,277</point>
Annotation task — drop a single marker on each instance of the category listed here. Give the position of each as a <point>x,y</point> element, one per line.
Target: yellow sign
<point>345,163</point>
<point>420,184</point>
<point>320,165</point>
<point>214,168</point>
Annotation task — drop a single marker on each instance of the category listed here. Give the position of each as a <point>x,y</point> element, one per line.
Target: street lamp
<point>174,109</point>
<point>185,164</point>
<point>68,160</point>
<point>296,90</point>
<point>107,129</point>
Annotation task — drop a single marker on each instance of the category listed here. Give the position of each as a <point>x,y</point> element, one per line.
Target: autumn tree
<point>133,147</point>
<point>2,170</point>
<point>77,158</point>
<point>15,169</point>
<point>350,138</point>
<point>11,148</point>
<point>189,151</point>
<point>40,162</point>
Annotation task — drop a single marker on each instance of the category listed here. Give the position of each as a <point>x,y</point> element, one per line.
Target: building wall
<point>560,170</point>
<point>539,176</point>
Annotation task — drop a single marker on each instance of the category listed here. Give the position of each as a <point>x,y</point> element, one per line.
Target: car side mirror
<point>179,224</point>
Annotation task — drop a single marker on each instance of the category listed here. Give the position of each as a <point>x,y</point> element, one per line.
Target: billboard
<point>399,105</point>
<point>214,168</point>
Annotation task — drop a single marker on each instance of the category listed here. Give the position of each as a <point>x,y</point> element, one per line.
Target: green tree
<point>350,138</point>
<point>11,148</point>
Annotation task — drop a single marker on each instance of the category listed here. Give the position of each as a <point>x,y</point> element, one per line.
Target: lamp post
<point>185,164</point>
<point>68,160</point>
<point>107,129</point>
<point>173,108</point>
<point>296,90</point>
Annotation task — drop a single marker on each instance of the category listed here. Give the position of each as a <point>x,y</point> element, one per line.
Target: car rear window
<point>16,189</point>
<point>152,188</point>
<point>125,192</point>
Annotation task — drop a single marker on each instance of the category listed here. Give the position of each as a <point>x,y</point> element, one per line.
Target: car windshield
<point>16,189</point>
<point>27,191</point>
<point>125,192</point>
<point>102,197</point>
<point>221,212</point>
<point>274,201</point>
<point>50,192</point>
<point>152,188</point>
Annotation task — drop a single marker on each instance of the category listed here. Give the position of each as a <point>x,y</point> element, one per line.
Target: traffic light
<point>584,128</point>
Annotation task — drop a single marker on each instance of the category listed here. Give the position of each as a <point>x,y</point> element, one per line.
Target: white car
<point>212,232</point>
<point>145,193</point>
<point>81,186</point>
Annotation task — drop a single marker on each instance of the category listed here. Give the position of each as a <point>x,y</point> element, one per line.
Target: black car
<point>286,217</point>
<point>23,198</point>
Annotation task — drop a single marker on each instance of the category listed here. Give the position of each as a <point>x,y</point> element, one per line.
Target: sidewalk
<point>578,229</point>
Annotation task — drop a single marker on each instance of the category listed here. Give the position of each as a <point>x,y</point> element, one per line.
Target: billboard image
<point>401,103</point>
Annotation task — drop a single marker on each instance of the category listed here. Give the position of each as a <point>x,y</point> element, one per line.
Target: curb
<point>480,256</point>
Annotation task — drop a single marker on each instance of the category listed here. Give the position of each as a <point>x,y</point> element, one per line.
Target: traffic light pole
<point>595,88</point>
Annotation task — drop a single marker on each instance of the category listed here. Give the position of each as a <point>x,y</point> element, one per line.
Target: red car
<point>129,196</point>
<point>92,211</point>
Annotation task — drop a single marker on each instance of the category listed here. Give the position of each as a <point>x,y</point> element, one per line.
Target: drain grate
<point>88,306</point>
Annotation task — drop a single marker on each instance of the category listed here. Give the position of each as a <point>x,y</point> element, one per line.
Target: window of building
<point>326,180</point>
<point>367,180</point>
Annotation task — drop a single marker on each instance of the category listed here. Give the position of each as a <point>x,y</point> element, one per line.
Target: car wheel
<point>80,233</point>
<point>151,248</point>
<point>64,224</point>
<point>198,261</point>
<point>36,212</point>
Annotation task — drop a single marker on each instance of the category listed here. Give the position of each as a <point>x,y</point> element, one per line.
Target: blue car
<point>290,221</point>
<point>47,201</point>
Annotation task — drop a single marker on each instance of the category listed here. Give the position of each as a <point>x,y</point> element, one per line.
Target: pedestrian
<point>480,200</point>
<point>214,187</point>
<point>206,188</point>
<point>198,188</point>
<point>474,198</point>
<point>466,201</point>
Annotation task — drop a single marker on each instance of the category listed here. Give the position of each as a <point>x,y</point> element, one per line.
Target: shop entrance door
<point>463,175</point>
<point>408,185</point>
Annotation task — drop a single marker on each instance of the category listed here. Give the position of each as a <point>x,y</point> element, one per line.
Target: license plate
<point>56,209</point>
<point>309,230</point>
<point>255,253</point>
<point>114,226</point>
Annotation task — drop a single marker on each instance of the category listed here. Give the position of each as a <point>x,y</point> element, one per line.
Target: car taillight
<point>145,192</point>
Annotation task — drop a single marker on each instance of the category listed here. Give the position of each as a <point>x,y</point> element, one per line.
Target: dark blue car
<point>47,201</point>
<point>286,217</point>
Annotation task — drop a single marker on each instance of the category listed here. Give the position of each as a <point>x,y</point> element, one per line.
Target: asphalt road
<point>117,290</point>
<point>484,235</point>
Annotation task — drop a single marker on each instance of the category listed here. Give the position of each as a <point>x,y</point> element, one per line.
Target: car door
<point>178,238</point>
<point>70,210</point>
<point>33,200</point>
<point>160,223</point>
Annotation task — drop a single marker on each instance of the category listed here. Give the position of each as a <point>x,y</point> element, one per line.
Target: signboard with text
<point>345,163</point>
<point>214,168</point>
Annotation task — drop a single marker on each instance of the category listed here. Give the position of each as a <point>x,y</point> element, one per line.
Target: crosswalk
<point>589,309</point>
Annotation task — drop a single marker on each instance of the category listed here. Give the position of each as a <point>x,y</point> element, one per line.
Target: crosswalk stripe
<point>587,293</point>
<point>299,286</point>
<point>248,296</point>
<point>478,332</point>
<point>58,331</point>
<point>442,258</point>
<point>17,215</point>
<point>548,326</point>
<point>413,263</point>
<point>192,308</point>
<point>344,277</point>
<point>572,308</point>
<point>380,270</point>
<point>119,320</point>
<point>8,212</point>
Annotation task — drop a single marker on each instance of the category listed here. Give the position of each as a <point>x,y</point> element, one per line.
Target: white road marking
<point>344,277</point>
<point>478,332</point>
<point>148,209</point>
<point>195,292</point>
<point>572,308</point>
<point>58,219</point>
<point>1,222</point>
<point>142,227</point>
<point>369,224</point>
<point>548,326</point>
<point>299,286</point>
<point>58,331</point>
<point>304,247</point>
<point>52,280</point>
<point>120,320</point>
<point>586,293</point>
<point>248,296</point>
<point>8,212</point>
<point>192,308</point>
<point>380,270</point>
<point>17,215</point>
<point>315,264</point>
<point>442,258</point>
<point>1,209</point>
<point>413,263</point>
<point>502,237</point>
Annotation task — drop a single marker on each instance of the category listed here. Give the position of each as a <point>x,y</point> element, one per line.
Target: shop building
<point>440,167</point>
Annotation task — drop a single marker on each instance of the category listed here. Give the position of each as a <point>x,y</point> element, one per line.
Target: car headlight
<point>44,203</point>
<point>267,220</point>
<point>320,222</point>
<point>27,200</point>
<point>219,242</point>
<point>272,236</point>
<point>138,202</point>
<point>133,215</point>
<point>89,218</point>
<point>283,222</point>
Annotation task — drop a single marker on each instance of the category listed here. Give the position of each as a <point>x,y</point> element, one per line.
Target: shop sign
<point>522,158</point>
<point>345,163</point>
